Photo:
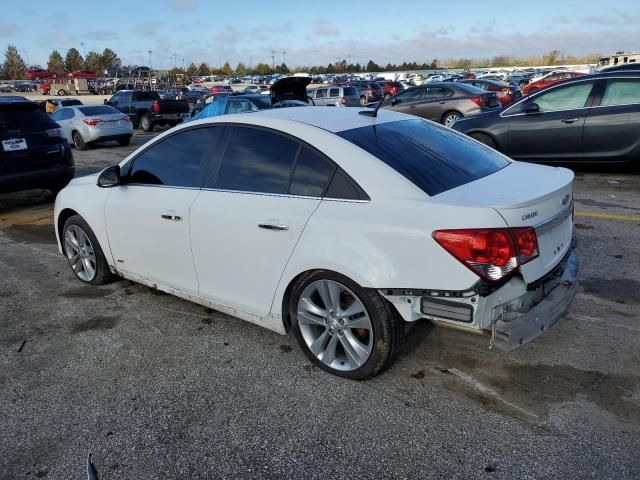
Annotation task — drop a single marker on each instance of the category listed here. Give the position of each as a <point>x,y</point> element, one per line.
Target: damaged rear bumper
<point>514,314</point>
<point>516,328</point>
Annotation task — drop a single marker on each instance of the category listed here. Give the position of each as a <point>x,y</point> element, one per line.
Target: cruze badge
<point>566,199</point>
<point>529,215</point>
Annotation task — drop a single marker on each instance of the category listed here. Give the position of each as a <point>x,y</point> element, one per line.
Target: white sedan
<point>83,125</point>
<point>336,226</point>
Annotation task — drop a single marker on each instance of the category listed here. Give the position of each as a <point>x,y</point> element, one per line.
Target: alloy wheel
<point>335,325</point>
<point>450,119</point>
<point>80,253</point>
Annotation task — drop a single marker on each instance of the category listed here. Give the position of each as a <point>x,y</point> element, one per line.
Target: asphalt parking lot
<point>157,387</point>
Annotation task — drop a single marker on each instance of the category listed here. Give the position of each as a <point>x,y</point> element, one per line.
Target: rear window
<point>432,157</point>
<point>350,91</point>
<point>26,117</point>
<point>144,96</point>
<point>98,110</point>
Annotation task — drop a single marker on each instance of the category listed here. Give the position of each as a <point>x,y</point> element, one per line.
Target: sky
<point>317,33</point>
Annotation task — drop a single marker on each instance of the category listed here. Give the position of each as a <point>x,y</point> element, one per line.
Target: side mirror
<point>531,107</point>
<point>110,177</point>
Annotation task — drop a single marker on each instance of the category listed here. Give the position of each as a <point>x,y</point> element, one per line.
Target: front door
<point>555,132</point>
<point>147,218</point>
<point>245,225</point>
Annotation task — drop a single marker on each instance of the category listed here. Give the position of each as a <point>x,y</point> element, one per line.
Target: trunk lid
<point>527,195</point>
<point>290,88</point>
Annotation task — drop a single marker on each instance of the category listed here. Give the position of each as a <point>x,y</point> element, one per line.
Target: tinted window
<point>334,92</point>
<point>343,187</point>
<point>146,96</point>
<point>621,92</point>
<point>98,110</point>
<point>348,91</point>
<point>311,175</point>
<point>239,106</point>
<point>25,116</point>
<point>175,161</point>
<point>432,157</point>
<point>564,98</point>
<point>322,93</point>
<point>257,161</point>
<point>411,94</point>
<point>67,114</point>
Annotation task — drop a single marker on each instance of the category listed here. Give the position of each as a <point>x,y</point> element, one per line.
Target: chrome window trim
<point>586,78</point>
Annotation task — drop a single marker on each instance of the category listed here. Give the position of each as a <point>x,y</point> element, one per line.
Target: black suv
<point>33,152</point>
<point>369,91</point>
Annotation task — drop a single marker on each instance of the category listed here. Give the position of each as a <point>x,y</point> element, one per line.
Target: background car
<point>36,73</point>
<point>549,79</point>
<point>506,94</point>
<point>229,104</point>
<point>390,88</point>
<point>369,91</point>
<point>335,96</point>
<point>65,102</point>
<point>33,150</point>
<point>81,74</point>
<point>88,124</point>
<point>594,118</point>
<point>443,102</point>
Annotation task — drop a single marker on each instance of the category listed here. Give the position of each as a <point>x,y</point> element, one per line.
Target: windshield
<point>432,157</point>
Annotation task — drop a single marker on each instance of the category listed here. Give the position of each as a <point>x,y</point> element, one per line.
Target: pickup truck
<point>146,109</point>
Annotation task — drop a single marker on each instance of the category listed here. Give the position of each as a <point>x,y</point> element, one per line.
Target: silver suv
<point>335,96</point>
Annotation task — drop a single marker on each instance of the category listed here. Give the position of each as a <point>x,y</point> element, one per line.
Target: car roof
<point>331,119</point>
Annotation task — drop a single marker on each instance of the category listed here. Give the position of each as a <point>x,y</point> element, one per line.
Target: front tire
<point>83,252</point>
<point>344,329</point>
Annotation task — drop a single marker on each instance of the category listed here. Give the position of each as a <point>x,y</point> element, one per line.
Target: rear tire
<point>83,252</point>
<point>449,118</point>
<point>363,101</point>
<point>78,141</point>
<point>124,141</point>
<point>357,352</point>
<point>146,123</point>
<point>485,139</point>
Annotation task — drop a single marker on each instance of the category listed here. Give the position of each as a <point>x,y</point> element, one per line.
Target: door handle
<point>270,226</point>
<point>569,120</point>
<point>442,102</point>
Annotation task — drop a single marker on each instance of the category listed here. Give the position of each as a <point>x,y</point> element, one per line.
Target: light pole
<point>26,54</point>
<point>84,49</point>
<point>284,57</point>
<point>273,59</point>
<point>149,52</point>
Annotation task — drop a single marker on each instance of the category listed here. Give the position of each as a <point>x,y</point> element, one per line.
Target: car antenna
<point>372,113</point>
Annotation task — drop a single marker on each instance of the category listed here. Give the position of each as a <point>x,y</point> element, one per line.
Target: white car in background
<point>83,125</point>
<point>333,224</point>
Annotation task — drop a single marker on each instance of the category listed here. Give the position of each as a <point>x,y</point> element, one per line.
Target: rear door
<point>334,96</point>
<point>435,102</point>
<point>556,131</point>
<point>321,97</point>
<point>258,197</point>
<point>611,129</point>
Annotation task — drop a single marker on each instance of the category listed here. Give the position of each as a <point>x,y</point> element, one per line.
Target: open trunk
<point>527,195</point>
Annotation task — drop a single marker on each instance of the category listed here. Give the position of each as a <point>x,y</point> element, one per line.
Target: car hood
<point>290,88</point>
<point>85,180</point>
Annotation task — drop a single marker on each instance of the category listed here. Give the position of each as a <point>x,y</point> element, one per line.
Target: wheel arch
<point>63,216</point>
<point>488,134</point>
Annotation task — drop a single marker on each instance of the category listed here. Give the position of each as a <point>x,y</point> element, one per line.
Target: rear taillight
<point>91,121</point>
<point>53,133</point>
<point>480,100</point>
<point>126,119</point>
<point>156,107</point>
<point>505,90</point>
<point>343,101</point>
<point>492,253</point>
<point>526,243</point>
<point>372,92</point>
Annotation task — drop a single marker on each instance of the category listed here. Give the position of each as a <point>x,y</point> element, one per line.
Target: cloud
<point>7,29</point>
<point>101,35</point>
<point>322,26</point>
<point>184,5</point>
<point>147,28</point>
